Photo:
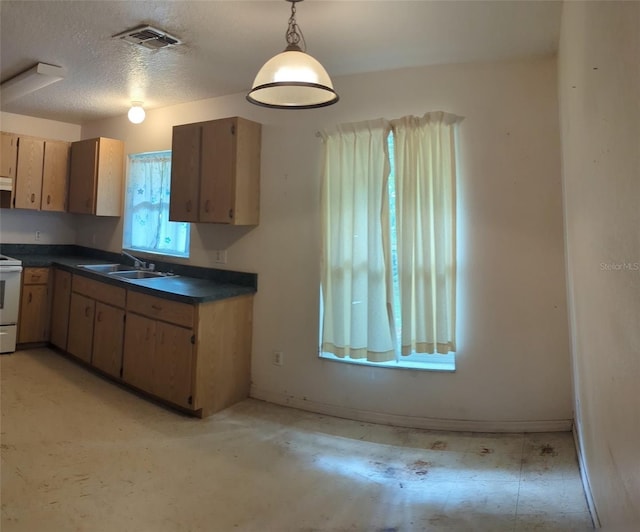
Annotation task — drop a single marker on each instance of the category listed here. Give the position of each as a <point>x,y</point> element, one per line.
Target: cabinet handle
<point>30,297</point>
<point>33,198</point>
<point>156,307</point>
<point>100,316</point>
<point>87,311</point>
<point>189,206</point>
<point>35,277</point>
<point>230,213</point>
<point>48,199</point>
<point>206,206</point>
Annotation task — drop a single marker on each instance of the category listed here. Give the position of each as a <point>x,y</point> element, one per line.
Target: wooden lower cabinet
<point>60,308</point>
<point>194,356</point>
<point>81,314</point>
<point>34,315</point>
<point>33,323</point>
<point>158,358</point>
<point>96,324</point>
<point>108,332</point>
<point>139,349</point>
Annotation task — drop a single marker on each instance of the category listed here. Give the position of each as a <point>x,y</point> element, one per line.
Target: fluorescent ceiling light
<point>29,81</point>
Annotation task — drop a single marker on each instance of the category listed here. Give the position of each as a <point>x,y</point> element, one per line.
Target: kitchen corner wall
<point>513,357</point>
<point>20,226</point>
<point>599,86</point>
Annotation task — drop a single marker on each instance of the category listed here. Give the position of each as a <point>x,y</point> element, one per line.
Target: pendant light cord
<point>294,34</point>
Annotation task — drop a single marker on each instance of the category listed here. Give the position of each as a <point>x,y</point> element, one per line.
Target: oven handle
<point>9,269</point>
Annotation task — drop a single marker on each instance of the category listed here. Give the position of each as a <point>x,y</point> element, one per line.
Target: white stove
<point>10,273</point>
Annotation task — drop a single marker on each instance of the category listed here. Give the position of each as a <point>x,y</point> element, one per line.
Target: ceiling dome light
<point>136,114</point>
<point>293,79</point>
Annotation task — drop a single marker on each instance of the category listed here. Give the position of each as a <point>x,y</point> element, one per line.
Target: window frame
<point>127,226</point>
<point>415,361</point>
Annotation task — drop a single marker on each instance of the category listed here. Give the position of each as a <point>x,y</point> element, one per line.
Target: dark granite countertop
<point>190,284</point>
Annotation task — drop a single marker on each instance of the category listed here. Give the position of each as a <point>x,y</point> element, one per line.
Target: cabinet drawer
<point>161,309</point>
<point>35,275</point>
<point>101,291</point>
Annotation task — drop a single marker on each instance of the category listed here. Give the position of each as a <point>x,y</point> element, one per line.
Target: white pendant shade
<point>136,114</point>
<point>292,80</point>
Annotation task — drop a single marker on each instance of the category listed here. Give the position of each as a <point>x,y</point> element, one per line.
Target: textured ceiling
<point>226,42</point>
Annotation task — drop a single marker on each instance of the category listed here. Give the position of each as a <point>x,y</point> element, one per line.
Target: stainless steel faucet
<point>137,263</point>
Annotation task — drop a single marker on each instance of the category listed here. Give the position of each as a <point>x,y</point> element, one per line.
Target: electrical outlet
<point>220,256</point>
<point>37,235</point>
<point>278,358</point>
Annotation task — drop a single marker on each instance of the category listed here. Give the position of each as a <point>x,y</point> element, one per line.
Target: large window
<point>388,270</point>
<point>146,219</point>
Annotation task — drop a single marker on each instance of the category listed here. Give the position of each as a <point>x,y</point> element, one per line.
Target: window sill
<point>155,253</point>
<point>447,364</point>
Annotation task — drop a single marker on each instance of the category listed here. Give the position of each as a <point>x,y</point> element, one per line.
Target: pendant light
<point>136,114</point>
<point>293,79</point>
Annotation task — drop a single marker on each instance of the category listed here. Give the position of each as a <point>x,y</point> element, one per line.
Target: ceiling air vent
<point>149,37</point>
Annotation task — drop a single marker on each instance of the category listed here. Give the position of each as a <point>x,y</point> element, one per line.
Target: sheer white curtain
<point>425,176</point>
<point>356,318</point>
<point>147,225</point>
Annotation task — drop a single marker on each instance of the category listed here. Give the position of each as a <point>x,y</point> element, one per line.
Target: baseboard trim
<point>585,479</point>
<point>457,425</point>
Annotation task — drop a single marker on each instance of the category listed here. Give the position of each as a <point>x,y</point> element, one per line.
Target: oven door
<point>9,294</point>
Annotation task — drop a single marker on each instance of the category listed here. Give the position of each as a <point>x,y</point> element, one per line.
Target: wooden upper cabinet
<point>185,173</point>
<point>28,182</point>
<point>39,169</point>
<point>55,175</point>
<point>96,177</point>
<point>8,154</point>
<point>215,172</point>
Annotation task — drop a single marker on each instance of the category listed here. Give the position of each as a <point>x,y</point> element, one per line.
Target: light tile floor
<point>82,454</point>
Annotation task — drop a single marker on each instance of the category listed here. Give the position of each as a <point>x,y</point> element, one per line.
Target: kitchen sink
<point>106,268</point>
<point>136,274</point>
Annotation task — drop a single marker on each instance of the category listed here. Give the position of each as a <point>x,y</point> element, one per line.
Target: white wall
<point>513,359</point>
<point>599,85</point>
<point>20,225</point>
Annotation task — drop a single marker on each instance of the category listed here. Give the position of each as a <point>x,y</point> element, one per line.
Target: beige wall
<point>513,359</point>
<point>599,86</point>
<point>19,225</point>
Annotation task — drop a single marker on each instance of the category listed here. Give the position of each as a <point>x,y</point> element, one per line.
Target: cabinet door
<point>55,175</point>
<point>108,336</point>
<point>139,348</point>
<point>81,314</point>
<point>110,174</point>
<point>82,176</point>
<point>217,177</point>
<point>34,314</point>
<point>60,308</point>
<point>173,364</point>
<point>28,184</point>
<point>185,173</point>
<point>8,154</point>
